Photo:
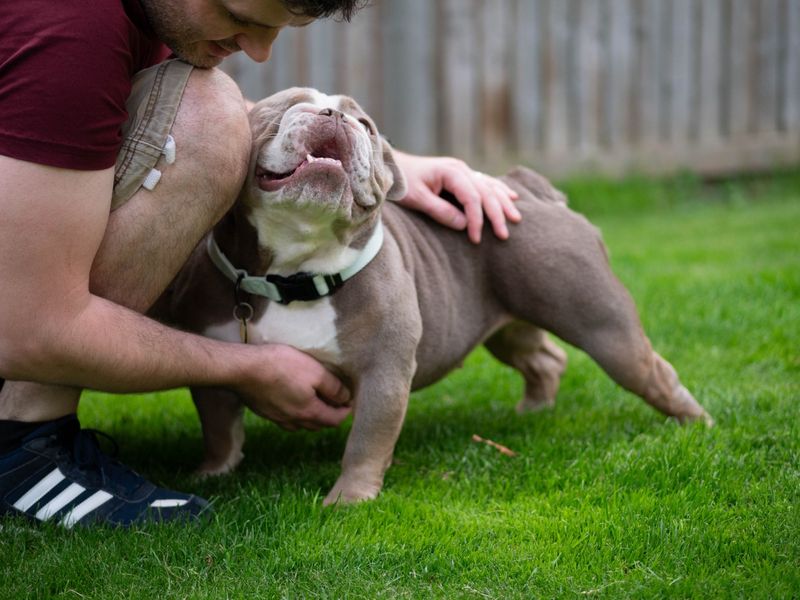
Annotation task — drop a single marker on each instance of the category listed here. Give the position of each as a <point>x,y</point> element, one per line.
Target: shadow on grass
<point>436,437</point>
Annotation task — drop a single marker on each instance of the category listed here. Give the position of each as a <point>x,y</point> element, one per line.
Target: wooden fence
<point>565,85</point>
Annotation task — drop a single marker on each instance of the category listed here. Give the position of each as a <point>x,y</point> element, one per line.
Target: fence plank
<point>494,23</point>
<point>556,82</point>
<point>619,91</point>
<point>649,92</point>
<point>410,106</point>
<point>791,74</point>
<point>527,75</point>
<point>710,79</point>
<point>741,67</point>
<point>459,82</point>
<point>360,48</point>
<point>586,75</point>
<point>321,57</point>
<point>278,74</point>
<point>767,70</point>
<point>681,72</point>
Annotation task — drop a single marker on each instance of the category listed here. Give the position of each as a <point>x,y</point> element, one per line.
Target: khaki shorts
<point>152,107</point>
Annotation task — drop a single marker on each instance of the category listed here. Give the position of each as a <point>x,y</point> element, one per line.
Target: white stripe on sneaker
<point>60,501</point>
<point>168,503</point>
<point>37,492</point>
<point>93,502</point>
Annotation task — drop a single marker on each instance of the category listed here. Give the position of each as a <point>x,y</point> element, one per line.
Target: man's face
<point>203,32</point>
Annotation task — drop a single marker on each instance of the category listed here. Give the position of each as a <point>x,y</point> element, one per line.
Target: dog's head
<point>319,153</point>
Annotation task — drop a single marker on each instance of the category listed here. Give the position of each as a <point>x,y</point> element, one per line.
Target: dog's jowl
<point>390,300</point>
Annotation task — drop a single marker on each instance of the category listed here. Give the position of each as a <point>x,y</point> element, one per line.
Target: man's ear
<point>399,188</point>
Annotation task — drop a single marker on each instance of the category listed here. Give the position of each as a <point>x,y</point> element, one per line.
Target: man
<point>113,165</point>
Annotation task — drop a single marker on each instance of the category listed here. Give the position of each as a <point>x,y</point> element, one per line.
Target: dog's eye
<point>368,126</point>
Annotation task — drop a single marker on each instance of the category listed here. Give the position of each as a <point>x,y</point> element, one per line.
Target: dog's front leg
<point>380,407</point>
<point>221,417</point>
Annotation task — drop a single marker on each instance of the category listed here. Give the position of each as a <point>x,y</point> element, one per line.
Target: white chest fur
<point>308,326</point>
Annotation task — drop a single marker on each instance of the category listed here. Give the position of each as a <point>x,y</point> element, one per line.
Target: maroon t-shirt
<point>65,74</point>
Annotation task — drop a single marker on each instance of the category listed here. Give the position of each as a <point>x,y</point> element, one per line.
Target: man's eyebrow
<point>249,21</point>
<point>244,18</point>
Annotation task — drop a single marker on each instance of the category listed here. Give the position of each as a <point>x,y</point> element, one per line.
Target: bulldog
<point>312,256</point>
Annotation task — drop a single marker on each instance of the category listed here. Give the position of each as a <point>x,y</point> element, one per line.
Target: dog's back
<point>467,291</point>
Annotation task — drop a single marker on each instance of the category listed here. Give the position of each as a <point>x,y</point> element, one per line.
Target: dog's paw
<point>530,405</point>
<point>350,493</point>
<point>688,410</point>
<point>216,467</point>
<point>702,417</point>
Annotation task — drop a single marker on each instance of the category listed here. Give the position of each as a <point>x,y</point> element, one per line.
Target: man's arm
<point>53,330</point>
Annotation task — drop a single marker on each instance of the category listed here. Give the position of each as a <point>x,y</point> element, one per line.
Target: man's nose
<point>257,45</point>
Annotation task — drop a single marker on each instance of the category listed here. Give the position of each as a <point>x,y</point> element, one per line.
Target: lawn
<point>605,498</point>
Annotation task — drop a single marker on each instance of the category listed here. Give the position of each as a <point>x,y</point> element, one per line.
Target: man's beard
<point>169,24</point>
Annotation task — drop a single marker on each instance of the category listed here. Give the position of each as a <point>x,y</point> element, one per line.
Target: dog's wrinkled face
<point>319,152</point>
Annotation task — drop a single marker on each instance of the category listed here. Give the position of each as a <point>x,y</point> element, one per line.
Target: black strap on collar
<point>300,286</point>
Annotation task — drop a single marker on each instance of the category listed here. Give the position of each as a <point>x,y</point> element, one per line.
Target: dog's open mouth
<point>325,158</point>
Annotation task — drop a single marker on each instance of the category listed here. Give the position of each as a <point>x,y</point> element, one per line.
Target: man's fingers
<point>512,212</point>
<point>315,416</point>
<point>325,416</point>
<point>464,189</point>
<point>286,425</point>
<point>439,210</point>
<point>332,390</point>
<point>507,198</point>
<point>501,207</point>
<point>493,197</point>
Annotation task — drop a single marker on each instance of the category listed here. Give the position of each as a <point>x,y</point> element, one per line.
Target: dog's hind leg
<point>630,360</point>
<point>221,417</point>
<point>540,361</point>
<point>610,332</point>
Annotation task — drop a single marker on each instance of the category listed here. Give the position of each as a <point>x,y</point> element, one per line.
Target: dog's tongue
<point>271,181</point>
<point>267,175</point>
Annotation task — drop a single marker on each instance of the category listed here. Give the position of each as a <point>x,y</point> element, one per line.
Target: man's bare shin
<point>26,401</point>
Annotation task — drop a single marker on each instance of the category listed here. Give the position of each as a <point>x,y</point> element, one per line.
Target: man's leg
<point>151,235</point>
<point>50,469</point>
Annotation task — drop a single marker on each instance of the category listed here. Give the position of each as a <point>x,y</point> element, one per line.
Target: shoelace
<point>91,458</point>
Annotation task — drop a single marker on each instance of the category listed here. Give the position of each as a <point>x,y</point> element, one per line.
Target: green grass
<point>606,497</point>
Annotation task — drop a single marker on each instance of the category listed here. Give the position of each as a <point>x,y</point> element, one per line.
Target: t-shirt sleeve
<point>65,71</point>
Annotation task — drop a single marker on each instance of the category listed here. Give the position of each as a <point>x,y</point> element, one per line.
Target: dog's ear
<point>398,188</point>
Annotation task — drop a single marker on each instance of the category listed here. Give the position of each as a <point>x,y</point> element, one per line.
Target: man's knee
<point>191,183</point>
<point>212,130</point>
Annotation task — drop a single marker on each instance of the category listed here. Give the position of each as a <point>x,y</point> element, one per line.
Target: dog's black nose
<point>331,112</point>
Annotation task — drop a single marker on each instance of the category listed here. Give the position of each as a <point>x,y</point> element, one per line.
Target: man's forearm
<point>108,347</point>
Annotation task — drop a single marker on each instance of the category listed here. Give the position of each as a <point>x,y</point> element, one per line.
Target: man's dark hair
<point>343,9</point>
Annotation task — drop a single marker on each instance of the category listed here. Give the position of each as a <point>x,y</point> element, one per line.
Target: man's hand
<point>293,390</point>
<point>477,192</point>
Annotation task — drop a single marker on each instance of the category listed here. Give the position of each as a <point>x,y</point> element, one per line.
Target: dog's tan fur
<point>426,301</point>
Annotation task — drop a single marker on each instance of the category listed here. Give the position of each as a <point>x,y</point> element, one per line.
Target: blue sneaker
<point>59,474</point>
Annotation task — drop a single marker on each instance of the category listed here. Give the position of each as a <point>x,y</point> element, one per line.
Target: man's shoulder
<point>32,22</point>
<point>65,74</point>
